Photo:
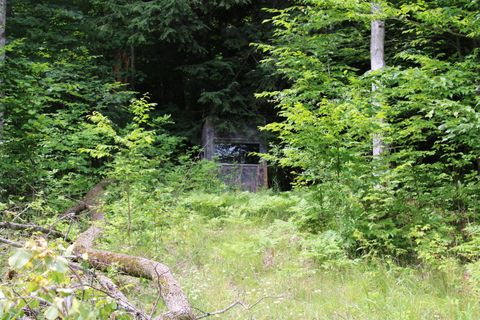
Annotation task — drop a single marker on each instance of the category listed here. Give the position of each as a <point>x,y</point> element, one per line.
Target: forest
<point>239,159</point>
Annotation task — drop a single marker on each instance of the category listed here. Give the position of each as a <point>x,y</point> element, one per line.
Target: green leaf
<point>51,313</point>
<point>19,259</point>
<point>60,265</point>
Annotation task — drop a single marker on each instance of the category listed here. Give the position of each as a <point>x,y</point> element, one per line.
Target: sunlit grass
<point>221,260</point>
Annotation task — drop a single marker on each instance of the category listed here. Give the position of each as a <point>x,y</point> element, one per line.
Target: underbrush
<point>225,246</point>
<point>322,252</point>
<point>228,246</point>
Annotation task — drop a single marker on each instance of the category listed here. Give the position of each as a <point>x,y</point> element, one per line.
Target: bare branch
<point>159,296</point>
<point>234,304</point>
<point>30,227</point>
<point>88,201</point>
<point>112,291</point>
<point>213,313</point>
<point>11,243</point>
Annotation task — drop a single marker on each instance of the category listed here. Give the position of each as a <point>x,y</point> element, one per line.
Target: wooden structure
<point>233,151</point>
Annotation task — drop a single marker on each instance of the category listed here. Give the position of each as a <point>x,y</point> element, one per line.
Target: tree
<point>377,59</point>
<point>329,112</point>
<point>193,57</point>
<point>3,22</point>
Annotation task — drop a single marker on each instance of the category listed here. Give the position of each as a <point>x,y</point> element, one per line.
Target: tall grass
<point>232,246</point>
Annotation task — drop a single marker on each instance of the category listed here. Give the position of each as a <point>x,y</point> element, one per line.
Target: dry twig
<point>31,227</point>
<point>232,305</point>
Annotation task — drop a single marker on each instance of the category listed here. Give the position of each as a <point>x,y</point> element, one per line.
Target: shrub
<point>42,282</point>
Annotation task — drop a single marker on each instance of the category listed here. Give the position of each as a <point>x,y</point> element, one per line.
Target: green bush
<point>43,282</point>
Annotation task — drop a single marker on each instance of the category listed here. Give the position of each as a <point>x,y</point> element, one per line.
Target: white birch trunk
<point>377,60</point>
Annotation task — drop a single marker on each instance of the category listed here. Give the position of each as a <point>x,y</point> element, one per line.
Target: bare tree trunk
<point>132,67</point>
<point>3,22</point>
<point>377,60</point>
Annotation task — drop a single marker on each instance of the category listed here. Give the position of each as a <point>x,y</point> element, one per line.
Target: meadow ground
<point>227,257</point>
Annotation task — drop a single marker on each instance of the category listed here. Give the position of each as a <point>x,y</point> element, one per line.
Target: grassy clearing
<point>219,258</point>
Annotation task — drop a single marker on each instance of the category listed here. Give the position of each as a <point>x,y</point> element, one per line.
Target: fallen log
<point>170,291</point>
<point>88,201</point>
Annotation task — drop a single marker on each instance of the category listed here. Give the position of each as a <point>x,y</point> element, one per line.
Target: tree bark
<point>3,40</point>
<point>3,23</point>
<point>132,66</point>
<point>377,61</point>
<point>89,201</point>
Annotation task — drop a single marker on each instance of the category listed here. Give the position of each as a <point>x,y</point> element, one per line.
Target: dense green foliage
<point>67,61</point>
<point>114,90</point>
<point>49,282</point>
<point>244,253</point>
<point>193,57</point>
<point>422,194</point>
<point>48,100</point>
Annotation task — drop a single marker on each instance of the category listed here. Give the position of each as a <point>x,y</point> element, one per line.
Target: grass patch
<point>221,253</point>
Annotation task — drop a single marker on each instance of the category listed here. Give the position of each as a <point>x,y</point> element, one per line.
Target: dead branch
<point>18,215</point>
<point>10,243</point>
<point>159,288</point>
<point>110,289</point>
<point>213,313</point>
<point>231,306</point>
<point>170,291</point>
<point>30,227</point>
<point>115,293</point>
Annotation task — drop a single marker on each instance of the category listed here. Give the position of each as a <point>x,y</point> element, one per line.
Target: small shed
<point>233,151</point>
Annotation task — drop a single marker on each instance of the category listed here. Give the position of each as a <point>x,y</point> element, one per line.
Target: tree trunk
<point>377,60</point>
<point>3,22</point>
<point>132,67</point>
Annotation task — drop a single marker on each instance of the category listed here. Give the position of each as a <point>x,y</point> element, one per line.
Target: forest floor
<point>221,257</point>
